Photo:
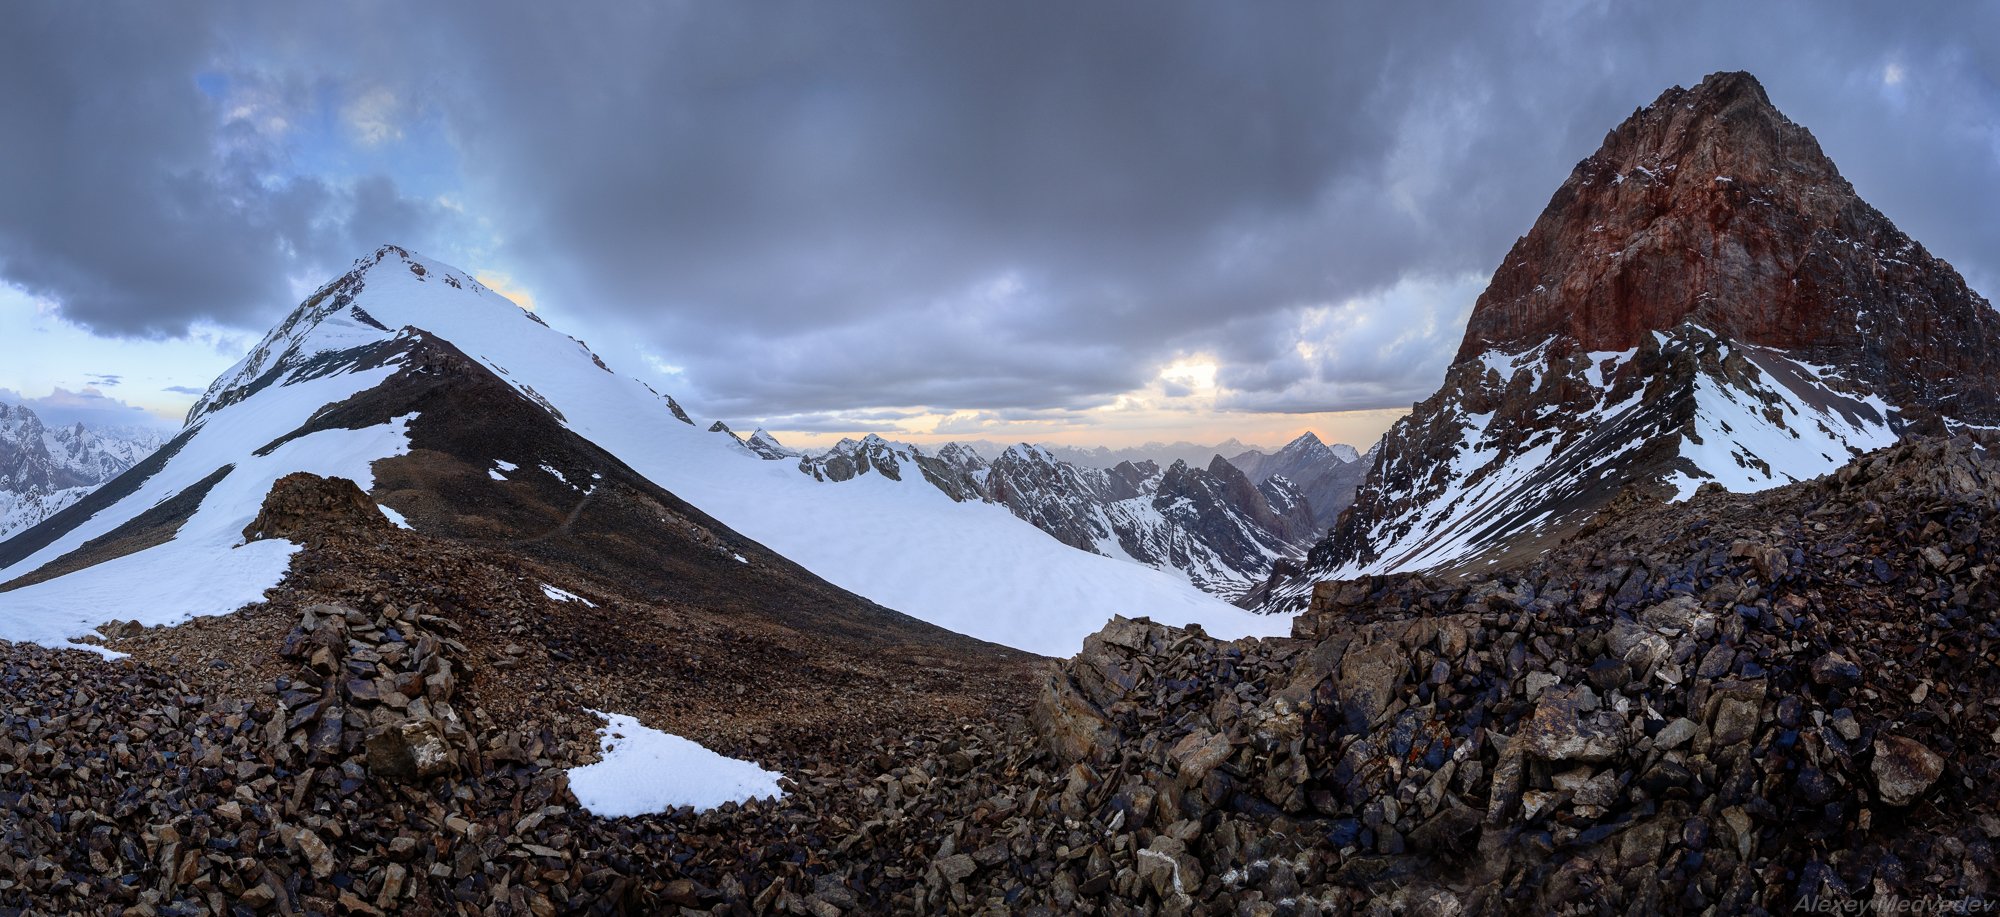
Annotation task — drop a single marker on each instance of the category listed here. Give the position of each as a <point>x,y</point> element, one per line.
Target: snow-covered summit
<point>333,319</point>
<point>767,446</point>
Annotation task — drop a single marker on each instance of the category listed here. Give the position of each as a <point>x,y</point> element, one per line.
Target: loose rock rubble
<point>1733,704</point>
<point>1726,706</point>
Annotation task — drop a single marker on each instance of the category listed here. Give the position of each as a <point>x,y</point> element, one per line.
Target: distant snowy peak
<point>33,454</point>
<point>1307,443</point>
<point>767,446</point>
<point>1303,458</point>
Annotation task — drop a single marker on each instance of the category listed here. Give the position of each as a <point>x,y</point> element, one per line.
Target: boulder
<point>409,750</point>
<point>1560,729</point>
<point>1904,769</point>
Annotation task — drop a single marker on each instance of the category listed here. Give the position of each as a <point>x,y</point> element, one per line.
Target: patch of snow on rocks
<point>645,771</point>
<point>564,595</point>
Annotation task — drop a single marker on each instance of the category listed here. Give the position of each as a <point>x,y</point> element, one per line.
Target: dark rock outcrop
<point>301,504</point>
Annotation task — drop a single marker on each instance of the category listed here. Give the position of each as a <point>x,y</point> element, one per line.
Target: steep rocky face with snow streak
<point>1705,300</point>
<point>1710,207</point>
<point>1327,475</point>
<point>44,469</point>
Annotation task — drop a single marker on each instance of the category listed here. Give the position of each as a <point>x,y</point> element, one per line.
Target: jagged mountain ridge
<point>44,469</point>
<point>1704,300</point>
<point>1160,453</point>
<point>1213,524</point>
<point>1327,475</point>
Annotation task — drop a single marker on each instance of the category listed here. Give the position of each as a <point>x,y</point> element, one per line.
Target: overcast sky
<point>1099,222</point>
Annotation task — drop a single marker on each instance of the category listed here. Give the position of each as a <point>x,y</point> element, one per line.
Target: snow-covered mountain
<point>1327,475</point>
<point>1705,301</point>
<point>366,380</point>
<point>1213,525</point>
<point>44,469</point>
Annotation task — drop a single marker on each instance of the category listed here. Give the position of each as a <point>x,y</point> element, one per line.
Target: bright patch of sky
<point>341,131</point>
<point>54,362</point>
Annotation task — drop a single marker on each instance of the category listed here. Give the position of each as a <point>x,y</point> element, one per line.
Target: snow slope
<point>205,569</point>
<point>1785,425</point>
<point>1745,417</point>
<point>971,568</point>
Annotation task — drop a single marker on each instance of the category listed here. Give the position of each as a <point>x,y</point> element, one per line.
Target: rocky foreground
<point>1731,705</point>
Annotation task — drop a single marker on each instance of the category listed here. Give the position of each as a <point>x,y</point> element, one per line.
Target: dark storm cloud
<point>817,207</point>
<point>141,204</point>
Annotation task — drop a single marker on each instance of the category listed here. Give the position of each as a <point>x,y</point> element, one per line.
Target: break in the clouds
<point>150,179</point>
<point>872,215</point>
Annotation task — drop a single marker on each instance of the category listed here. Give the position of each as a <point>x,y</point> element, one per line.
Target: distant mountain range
<point>1223,529</point>
<point>44,469</point>
<point>1327,476</point>
<point>1162,454</point>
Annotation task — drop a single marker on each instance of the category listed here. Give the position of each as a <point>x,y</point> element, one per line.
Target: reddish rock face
<point>1709,205</point>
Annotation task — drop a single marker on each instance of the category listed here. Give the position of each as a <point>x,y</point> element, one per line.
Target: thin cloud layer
<point>827,216</point>
<point>89,406</point>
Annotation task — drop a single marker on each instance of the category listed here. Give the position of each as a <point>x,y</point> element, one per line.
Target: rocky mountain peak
<point>1710,206</point>
<point>1307,447</point>
<point>1705,300</point>
<point>387,291</point>
<point>767,446</point>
